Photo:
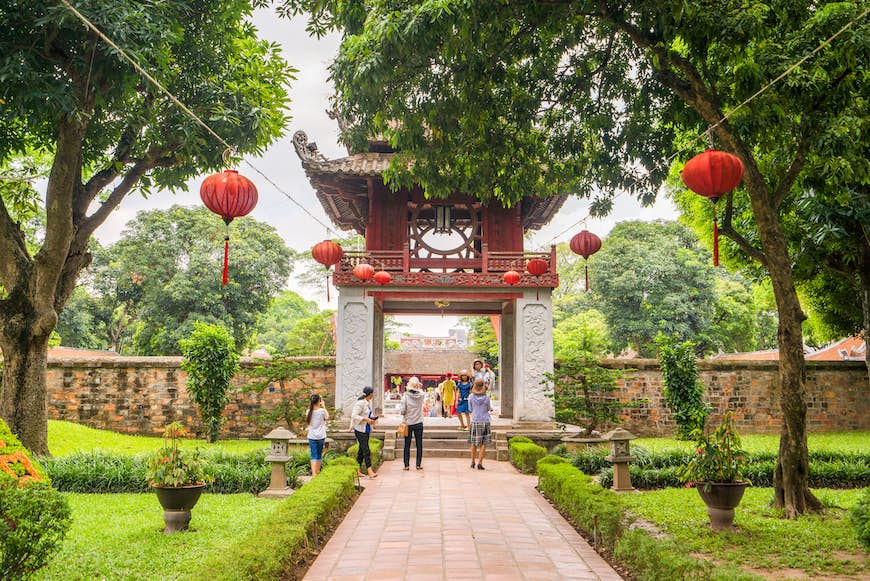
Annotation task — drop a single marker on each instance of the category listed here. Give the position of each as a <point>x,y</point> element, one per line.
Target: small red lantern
<point>382,277</point>
<point>327,253</point>
<point>363,271</point>
<point>230,195</point>
<point>713,174</point>
<point>537,266</point>
<point>585,243</point>
<point>511,277</point>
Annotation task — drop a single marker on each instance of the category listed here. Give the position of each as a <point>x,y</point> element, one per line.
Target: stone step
<point>444,444</point>
<point>445,453</point>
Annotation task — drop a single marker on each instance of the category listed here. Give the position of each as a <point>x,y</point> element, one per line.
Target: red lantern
<point>713,174</point>
<point>511,277</point>
<point>327,253</point>
<point>585,244</point>
<point>537,266</point>
<point>230,195</point>
<point>382,277</point>
<point>363,271</point>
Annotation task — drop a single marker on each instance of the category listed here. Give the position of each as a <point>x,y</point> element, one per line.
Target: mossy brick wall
<point>838,395</point>
<point>141,395</point>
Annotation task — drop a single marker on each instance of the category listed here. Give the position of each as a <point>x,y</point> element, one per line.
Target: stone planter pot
<point>177,502</point>
<point>721,499</point>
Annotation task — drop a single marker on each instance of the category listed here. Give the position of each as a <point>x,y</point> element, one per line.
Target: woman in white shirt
<point>362,420</point>
<point>316,418</point>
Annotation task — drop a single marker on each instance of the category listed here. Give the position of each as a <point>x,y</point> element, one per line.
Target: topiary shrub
<point>859,516</point>
<point>34,517</point>
<point>525,455</point>
<point>211,361</point>
<point>519,439</point>
<point>683,391</point>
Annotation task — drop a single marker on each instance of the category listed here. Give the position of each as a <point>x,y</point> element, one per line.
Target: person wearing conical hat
<point>464,388</point>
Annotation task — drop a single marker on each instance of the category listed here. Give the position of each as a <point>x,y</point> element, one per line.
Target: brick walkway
<point>450,522</point>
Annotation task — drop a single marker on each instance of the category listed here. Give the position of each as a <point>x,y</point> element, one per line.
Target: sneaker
<point>472,465</point>
<point>407,468</point>
<point>419,467</point>
<point>480,467</point>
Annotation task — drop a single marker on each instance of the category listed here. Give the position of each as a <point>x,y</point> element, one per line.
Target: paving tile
<point>448,522</point>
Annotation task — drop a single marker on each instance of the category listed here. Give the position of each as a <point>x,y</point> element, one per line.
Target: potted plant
<point>715,470</point>
<point>177,477</point>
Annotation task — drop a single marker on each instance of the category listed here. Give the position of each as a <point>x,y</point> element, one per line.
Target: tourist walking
<point>489,381</point>
<point>316,420</point>
<point>363,421</point>
<point>481,422</point>
<point>477,371</point>
<point>411,410</point>
<point>448,395</point>
<point>464,389</point>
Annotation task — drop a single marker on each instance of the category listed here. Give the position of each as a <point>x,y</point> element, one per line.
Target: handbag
<point>402,430</point>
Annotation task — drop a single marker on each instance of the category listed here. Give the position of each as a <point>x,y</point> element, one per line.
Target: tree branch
<point>13,249</point>
<point>727,229</point>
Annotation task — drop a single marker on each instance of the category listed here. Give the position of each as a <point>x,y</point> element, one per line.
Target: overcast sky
<point>310,98</point>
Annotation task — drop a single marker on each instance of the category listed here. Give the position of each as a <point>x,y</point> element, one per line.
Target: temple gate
<point>445,256</point>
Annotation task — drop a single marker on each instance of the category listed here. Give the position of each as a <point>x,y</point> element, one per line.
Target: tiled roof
<point>848,349</point>
<point>358,164</point>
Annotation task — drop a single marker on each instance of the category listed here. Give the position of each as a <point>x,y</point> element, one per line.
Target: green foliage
<point>482,338</point>
<point>102,471</point>
<point>599,513</point>
<point>79,324</point>
<point>583,392</point>
<point>35,515</point>
<point>172,467</point>
<point>275,325</point>
<point>375,446</point>
<point>164,274</point>
<point>522,439</point>
<point>860,518</point>
<point>36,519</point>
<point>582,335</point>
<point>719,457</point>
<point>211,361</point>
<point>295,393</point>
<point>290,533</point>
<point>684,392</point>
<point>525,455</point>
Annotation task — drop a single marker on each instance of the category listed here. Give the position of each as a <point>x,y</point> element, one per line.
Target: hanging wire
<point>709,131</point>
<point>230,149</point>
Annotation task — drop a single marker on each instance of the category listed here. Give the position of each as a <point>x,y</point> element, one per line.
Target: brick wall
<point>141,395</point>
<point>838,395</point>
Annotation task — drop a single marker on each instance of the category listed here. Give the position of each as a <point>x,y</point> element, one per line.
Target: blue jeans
<point>417,431</point>
<point>316,449</point>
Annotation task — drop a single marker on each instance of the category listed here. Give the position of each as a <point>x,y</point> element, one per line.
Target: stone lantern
<point>279,438</point>
<point>620,457</point>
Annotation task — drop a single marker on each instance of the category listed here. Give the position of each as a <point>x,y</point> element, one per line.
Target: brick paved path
<point>450,522</point>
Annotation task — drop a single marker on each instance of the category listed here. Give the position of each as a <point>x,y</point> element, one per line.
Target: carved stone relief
<point>537,355</point>
<point>354,370</point>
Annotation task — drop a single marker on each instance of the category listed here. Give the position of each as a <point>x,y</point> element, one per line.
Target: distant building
<point>848,349</point>
<point>418,343</point>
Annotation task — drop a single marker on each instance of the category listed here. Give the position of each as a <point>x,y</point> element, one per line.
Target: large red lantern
<point>713,174</point>
<point>230,195</point>
<point>511,277</point>
<point>327,253</point>
<point>382,277</point>
<point>363,271</point>
<point>537,267</point>
<point>585,243</point>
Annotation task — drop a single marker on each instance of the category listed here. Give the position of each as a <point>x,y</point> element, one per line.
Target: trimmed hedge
<point>859,516</point>
<point>525,455</point>
<point>588,504</point>
<point>375,446</point>
<point>107,472</point>
<point>650,470</point>
<point>291,533</point>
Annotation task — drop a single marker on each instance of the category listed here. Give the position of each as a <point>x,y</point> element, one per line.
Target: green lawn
<point>120,536</point>
<point>834,441</point>
<point>820,545</point>
<point>65,438</point>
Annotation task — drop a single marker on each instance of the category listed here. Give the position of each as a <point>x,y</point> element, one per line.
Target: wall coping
<point>728,364</point>
<point>159,362</point>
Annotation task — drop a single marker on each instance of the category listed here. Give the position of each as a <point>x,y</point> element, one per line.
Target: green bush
<point>525,455</point>
<point>291,533</point>
<point>860,518</point>
<point>598,512</point>
<point>107,472</point>
<point>35,517</point>
<point>683,391</point>
<point>523,439</point>
<point>211,361</point>
<point>375,446</point>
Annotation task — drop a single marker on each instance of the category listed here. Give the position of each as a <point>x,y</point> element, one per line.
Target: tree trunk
<point>23,402</point>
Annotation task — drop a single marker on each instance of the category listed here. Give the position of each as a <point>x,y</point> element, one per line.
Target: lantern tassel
<point>226,274</point>
<point>327,286</point>
<point>715,242</point>
<point>587,277</point>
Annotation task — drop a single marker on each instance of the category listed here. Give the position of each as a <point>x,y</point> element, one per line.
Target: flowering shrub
<point>34,517</point>
<point>171,467</point>
<point>718,457</point>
